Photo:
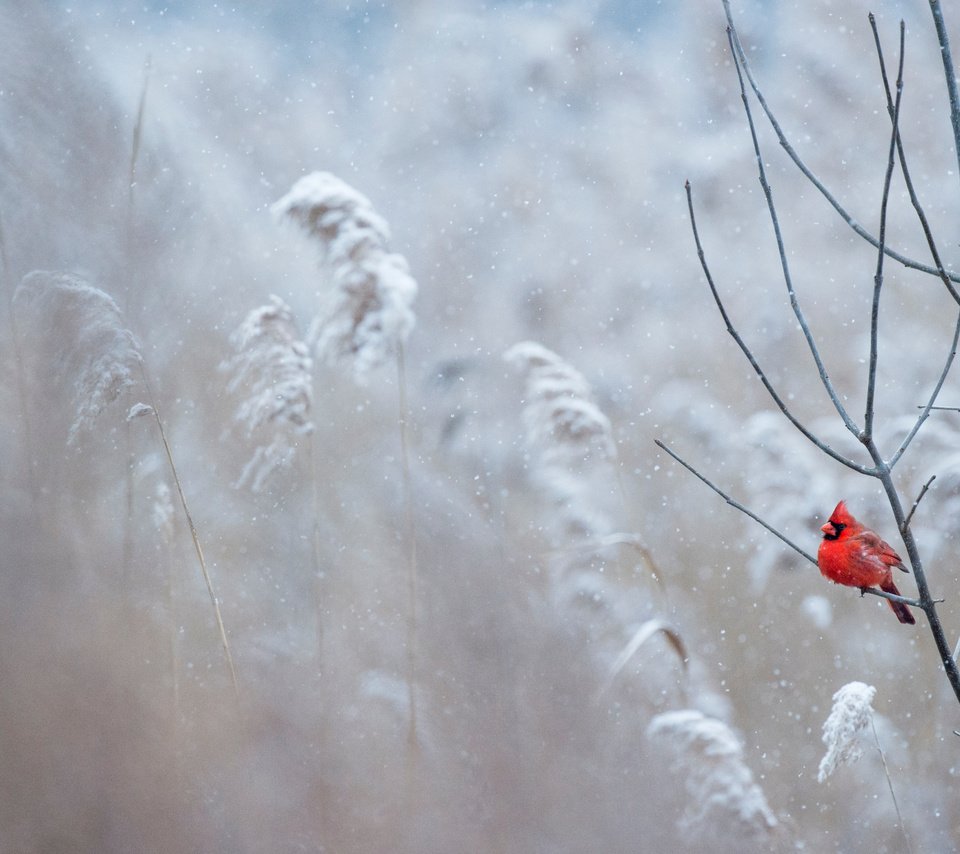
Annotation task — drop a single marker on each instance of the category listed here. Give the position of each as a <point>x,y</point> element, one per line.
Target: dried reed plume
<point>565,431</point>
<point>95,354</point>
<point>851,714</point>
<point>559,413</point>
<point>366,321</point>
<point>369,312</point>
<point>274,369</point>
<point>722,795</point>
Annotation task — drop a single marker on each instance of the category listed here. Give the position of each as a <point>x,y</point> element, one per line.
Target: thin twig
<point>938,268</point>
<point>916,503</point>
<point>411,534</point>
<point>784,265</point>
<point>745,349</point>
<point>916,603</point>
<point>893,597</point>
<point>948,72</point>
<point>22,397</point>
<point>884,469</point>
<point>126,559</point>
<point>928,603</point>
<point>882,237</point>
<point>138,128</point>
<point>736,504</point>
<point>928,234</point>
<point>193,534</point>
<point>886,771</point>
<point>807,172</point>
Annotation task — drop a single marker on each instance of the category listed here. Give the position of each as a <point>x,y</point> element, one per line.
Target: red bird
<point>854,555</point>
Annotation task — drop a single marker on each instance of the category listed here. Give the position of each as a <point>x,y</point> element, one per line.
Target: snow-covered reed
<point>273,370</point>
<point>93,353</point>
<point>722,796</point>
<point>566,433</point>
<point>368,312</point>
<point>851,714</point>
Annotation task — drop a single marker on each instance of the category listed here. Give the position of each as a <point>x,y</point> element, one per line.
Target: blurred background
<point>530,159</point>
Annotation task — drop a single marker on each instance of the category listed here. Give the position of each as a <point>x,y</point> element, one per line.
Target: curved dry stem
<point>193,535</point>
<point>893,796</point>
<point>411,554</point>
<point>647,631</point>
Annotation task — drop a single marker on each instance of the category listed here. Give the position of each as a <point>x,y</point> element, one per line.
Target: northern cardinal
<point>854,555</point>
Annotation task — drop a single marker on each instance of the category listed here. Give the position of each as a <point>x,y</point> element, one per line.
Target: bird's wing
<point>874,546</point>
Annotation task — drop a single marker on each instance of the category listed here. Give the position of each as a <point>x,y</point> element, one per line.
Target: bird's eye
<point>839,526</point>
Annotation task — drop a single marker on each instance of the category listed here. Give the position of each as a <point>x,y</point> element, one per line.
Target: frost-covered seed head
<point>852,712</point>
<point>559,412</point>
<point>369,313</point>
<point>95,353</point>
<point>274,369</point>
<point>565,432</point>
<point>721,790</point>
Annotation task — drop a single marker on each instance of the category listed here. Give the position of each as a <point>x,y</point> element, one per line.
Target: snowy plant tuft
<point>852,712</point>
<point>722,794</point>
<point>273,368</point>
<point>93,353</point>
<point>369,311</point>
<point>565,431</point>
<point>559,413</point>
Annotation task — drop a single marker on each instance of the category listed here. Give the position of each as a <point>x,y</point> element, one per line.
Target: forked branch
<point>731,329</point>
<point>806,171</point>
<point>881,469</point>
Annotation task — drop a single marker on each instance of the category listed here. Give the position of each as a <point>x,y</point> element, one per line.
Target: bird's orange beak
<point>828,529</point>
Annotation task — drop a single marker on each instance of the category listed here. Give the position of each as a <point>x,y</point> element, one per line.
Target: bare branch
<point>893,597</point>
<point>916,503</point>
<point>916,603</point>
<point>928,234</point>
<point>784,266</point>
<point>823,446</point>
<point>736,504</point>
<point>807,172</point>
<point>878,276</point>
<point>929,604</point>
<point>948,72</point>
<point>938,269</point>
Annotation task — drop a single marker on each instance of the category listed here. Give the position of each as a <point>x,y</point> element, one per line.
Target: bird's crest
<point>842,516</point>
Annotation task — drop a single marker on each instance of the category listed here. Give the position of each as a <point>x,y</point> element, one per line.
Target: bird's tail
<point>901,610</point>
